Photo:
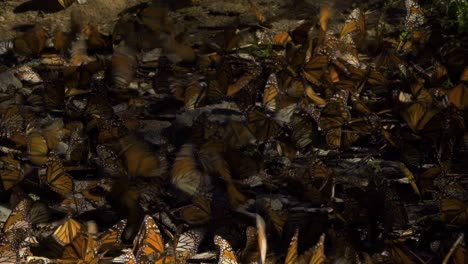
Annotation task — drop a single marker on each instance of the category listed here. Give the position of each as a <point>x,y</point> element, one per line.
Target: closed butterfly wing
<point>333,115</point>
<point>271,89</point>
<point>187,244</point>
<point>111,237</point>
<point>226,253</point>
<point>458,96</point>
<point>10,178</point>
<point>291,256</point>
<point>354,23</point>
<point>57,179</point>
<point>454,212</point>
<point>37,149</point>
<point>417,116</point>
<point>17,216</point>
<point>39,213</point>
<point>148,244</point>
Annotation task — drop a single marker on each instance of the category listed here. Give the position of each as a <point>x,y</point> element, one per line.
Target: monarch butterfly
<point>458,96</point>
<point>111,237</point>
<point>197,213</point>
<point>454,212</point>
<point>291,256</point>
<point>354,22</point>
<point>304,130</point>
<point>18,217</point>
<point>262,126</point>
<point>67,231</point>
<point>282,39</point>
<point>8,254</point>
<point>11,173</point>
<point>66,3</point>
<point>61,40</point>
<point>148,244</point>
<point>109,161</point>
<point>123,64</point>
<point>414,15</point>
<point>271,89</point>
<point>333,115</point>
<point>225,254</point>
<point>83,248</point>
<point>418,116</point>
<point>258,14</point>
<point>30,43</point>
<point>139,160</point>
<point>315,255</point>
<point>409,175</point>
<point>316,99</point>
<point>109,130</point>
<point>37,149</point>
<point>5,46</point>
<point>28,75</point>
<point>194,94</point>
<point>242,82</point>
<point>314,69</point>
<point>79,52</point>
<point>56,178</point>
<point>325,13</point>
<point>187,244</point>
<point>96,41</point>
<point>10,178</point>
<point>185,174</point>
<point>237,135</point>
<point>39,213</point>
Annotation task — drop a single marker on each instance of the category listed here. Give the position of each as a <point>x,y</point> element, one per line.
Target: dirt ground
<point>195,22</point>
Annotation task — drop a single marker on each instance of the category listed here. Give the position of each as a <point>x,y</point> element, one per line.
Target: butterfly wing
<point>57,179</point>
<point>226,253</point>
<point>148,243</point>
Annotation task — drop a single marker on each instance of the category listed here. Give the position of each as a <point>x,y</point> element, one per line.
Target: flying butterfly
<point>56,178</point>
<point>139,160</point>
<point>197,213</point>
<point>123,66</point>
<point>30,43</point>
<point>185,174</point>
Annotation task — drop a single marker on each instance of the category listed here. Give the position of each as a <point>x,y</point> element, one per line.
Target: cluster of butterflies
<point>137,147</point>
